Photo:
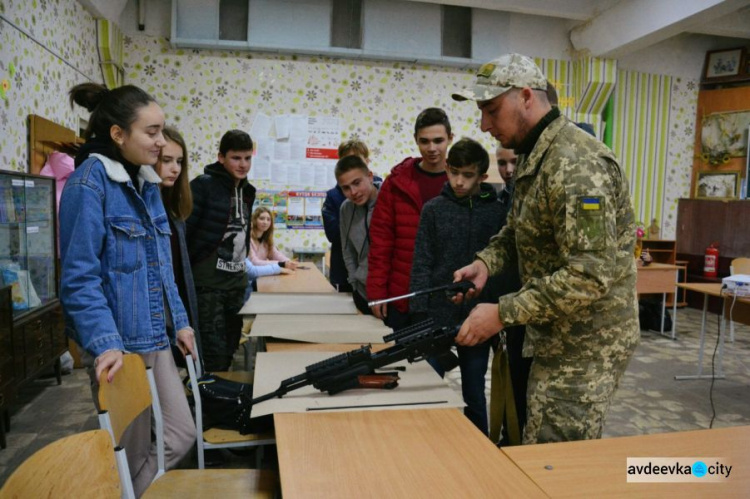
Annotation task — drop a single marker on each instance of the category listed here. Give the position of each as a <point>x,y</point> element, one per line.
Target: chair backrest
<point>740,266</point>
<point>81,466</point>
<point>127,396</point>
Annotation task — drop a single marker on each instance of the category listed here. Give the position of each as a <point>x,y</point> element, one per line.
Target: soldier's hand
<point>477,273</point>
<point>482,324</point>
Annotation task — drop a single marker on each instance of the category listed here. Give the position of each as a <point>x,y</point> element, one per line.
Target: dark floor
<point>649,400</point>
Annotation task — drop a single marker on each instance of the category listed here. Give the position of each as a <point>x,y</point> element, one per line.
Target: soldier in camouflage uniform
<point>571,232</point>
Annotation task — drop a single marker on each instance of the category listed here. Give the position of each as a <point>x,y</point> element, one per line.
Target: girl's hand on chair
<point>110,361</point>
<point>186,341</point>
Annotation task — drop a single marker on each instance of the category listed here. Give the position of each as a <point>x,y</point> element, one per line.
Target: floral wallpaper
<point>205,93</point>
<point>34,81</point>
<point>682,115</point>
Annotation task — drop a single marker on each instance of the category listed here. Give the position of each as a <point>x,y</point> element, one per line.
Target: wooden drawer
<point>7,373</point>
<point>37,345</point>
<point>56,328</point>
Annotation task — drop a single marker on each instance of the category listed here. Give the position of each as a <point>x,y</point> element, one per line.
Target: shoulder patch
<point>591,203</point>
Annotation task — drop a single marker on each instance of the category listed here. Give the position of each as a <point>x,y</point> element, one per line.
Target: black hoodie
<point>213,210</point>
<point>451,231</point>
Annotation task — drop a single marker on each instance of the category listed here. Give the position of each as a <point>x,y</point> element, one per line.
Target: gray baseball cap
<point>500,75</point>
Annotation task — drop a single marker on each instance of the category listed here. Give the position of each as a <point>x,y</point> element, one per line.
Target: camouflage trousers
<point>220,325</point>
<point>569,399</point>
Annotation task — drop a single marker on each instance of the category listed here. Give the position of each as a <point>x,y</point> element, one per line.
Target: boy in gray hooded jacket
<point>356,182</point>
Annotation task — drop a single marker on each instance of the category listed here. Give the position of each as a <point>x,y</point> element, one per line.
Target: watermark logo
<point>678,469</point>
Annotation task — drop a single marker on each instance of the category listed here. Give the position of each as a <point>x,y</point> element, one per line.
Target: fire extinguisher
<point>711,261</point>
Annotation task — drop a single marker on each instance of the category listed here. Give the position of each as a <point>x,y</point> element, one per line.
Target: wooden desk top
<point>597,468</point>
<point>658,266</point>
<point>306,279</point>
<point>708,288</point>
<point>409,453</point>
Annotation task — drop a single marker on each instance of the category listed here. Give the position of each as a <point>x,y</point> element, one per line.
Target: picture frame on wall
<point>717,185</point>
<point>746,180</point>
<point>723,64</point>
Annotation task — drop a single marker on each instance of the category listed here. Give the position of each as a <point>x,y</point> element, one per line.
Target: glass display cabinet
<point>29,268</point>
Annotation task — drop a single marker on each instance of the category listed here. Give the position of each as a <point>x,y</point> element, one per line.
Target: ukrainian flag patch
<point>591,203</point>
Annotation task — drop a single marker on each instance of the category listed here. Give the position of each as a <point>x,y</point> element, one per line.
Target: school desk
<point>307,278</point>
<point>598,468</point>
<point>659,278</point>
<point>740,312</point>
<point>430,453</point>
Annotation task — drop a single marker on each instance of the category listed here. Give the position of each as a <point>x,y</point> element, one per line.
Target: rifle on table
<point>342,372</point>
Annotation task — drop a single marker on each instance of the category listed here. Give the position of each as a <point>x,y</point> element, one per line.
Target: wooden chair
<point>131,392</point>
<point>216,438</point>
<point>738,266</point>
<point>81,466</point>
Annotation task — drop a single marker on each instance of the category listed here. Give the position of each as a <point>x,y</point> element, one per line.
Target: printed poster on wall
<point>293,209</point>
<point>324,135</point>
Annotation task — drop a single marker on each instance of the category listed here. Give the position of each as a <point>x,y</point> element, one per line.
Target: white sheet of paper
<point>261,126</point>
<point>292,172</point>
<point>278,172</point>
<point>307,174</point>
<point>298,146</point>
<point>321,328</point>
<point>281,123</point>
<point>419,388</point>
<point>322,177</point>
<point>282,151</point>
<point>298,126</point>
<point>264,148</point>
<point>299,303</point>
<point>261,169</point>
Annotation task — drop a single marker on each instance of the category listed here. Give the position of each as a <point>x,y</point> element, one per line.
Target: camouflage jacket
<point>571,232</point>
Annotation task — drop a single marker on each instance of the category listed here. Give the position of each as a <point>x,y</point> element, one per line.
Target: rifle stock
<point>341,372</point>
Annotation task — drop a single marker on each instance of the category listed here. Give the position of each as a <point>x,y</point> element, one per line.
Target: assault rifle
<point>342,372</point>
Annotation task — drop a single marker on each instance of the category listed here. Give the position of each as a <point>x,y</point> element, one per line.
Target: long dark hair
<point>178,199</point>
<point>108,107</point>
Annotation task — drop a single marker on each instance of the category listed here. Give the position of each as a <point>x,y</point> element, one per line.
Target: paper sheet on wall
<point>419,383</point>
<point>281,124</point>
<point>261,127</point>
<point>261,169</point>
<point>282,151</point>
<point>298,126</point>
<point>324,135</point>
<point>278,172</point>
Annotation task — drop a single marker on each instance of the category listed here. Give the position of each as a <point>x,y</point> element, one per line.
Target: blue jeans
<point>473,364</point>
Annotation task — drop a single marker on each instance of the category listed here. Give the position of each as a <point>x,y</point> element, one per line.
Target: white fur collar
<point>117,172</point>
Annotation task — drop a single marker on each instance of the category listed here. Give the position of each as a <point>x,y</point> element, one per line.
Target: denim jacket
<point>116,260</point>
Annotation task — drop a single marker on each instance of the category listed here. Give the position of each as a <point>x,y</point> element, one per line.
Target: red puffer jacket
<point>393,232</point>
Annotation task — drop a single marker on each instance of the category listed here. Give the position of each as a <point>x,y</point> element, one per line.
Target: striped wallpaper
<point>640,121</point>
<point>641,138</point>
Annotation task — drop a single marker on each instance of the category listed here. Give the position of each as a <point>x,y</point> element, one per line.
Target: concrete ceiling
<point>615,28</point>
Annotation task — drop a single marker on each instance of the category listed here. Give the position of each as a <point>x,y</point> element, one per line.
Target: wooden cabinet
<point>701,222</point>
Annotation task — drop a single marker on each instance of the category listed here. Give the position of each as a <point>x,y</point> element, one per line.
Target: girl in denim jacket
<point>117,285</point>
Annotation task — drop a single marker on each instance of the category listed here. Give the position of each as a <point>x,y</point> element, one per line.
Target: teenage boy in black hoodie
<point>453,227</point>
<point>218,237</point>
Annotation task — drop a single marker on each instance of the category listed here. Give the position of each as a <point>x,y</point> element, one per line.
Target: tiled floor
<point>649,400</point>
